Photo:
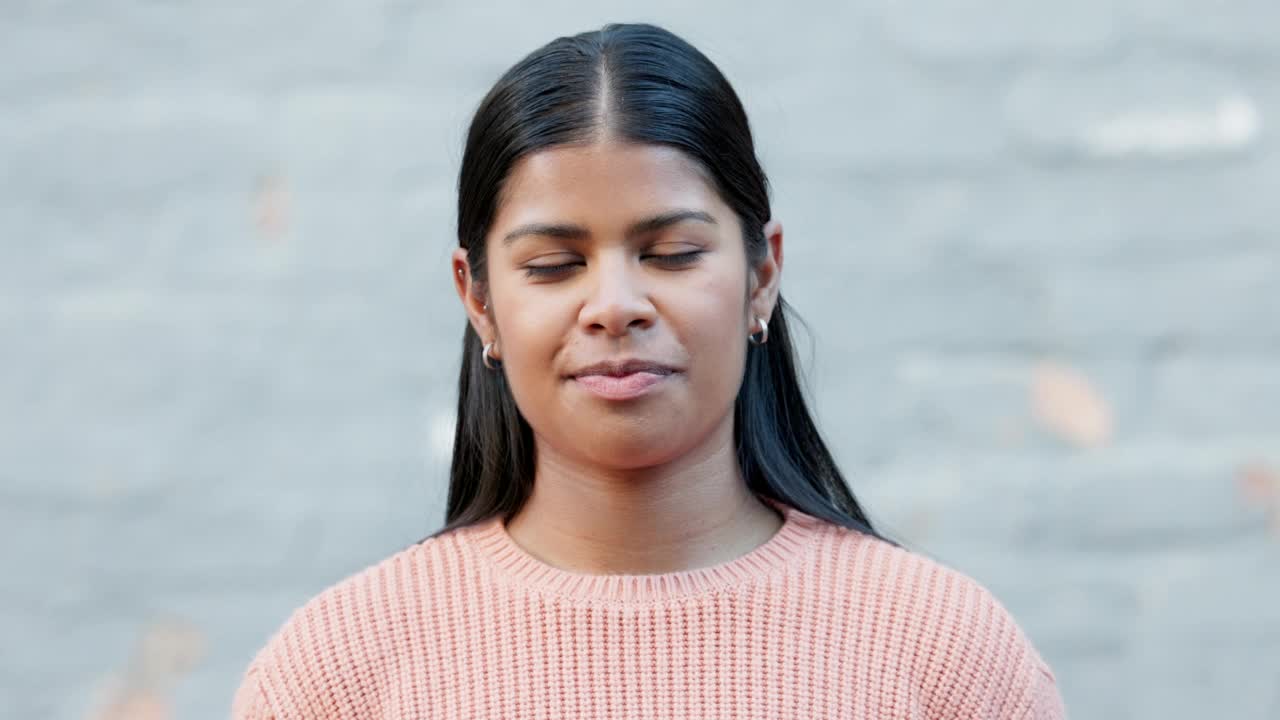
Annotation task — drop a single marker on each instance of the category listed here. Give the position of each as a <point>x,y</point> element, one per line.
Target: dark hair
<point>656,89</point>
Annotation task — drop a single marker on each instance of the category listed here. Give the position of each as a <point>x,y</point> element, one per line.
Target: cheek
<point>712,312</point>
<point>530,328</point>
<point>711,326</point>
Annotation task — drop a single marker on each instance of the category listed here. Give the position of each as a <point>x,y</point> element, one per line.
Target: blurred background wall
<point>1037,244</point>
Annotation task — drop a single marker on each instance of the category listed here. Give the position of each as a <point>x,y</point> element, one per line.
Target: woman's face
<point>619,300</point>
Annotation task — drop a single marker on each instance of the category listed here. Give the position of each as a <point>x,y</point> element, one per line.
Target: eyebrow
<point>577,232</point>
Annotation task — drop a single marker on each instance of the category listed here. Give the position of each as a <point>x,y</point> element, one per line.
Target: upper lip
<point>618,368</point>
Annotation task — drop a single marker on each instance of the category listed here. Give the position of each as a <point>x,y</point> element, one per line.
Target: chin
<point>633,450</point>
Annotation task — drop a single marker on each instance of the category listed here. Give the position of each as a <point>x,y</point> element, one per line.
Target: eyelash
<point>672,260</point>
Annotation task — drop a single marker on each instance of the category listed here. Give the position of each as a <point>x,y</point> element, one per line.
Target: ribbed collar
<point>789,544</point>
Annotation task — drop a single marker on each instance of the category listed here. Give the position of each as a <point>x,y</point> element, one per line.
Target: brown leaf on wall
<point>134,704</point>
<point>271,207</point>
<point>1068,405</point>
<point>166,650</point>
<point>1259,484</point>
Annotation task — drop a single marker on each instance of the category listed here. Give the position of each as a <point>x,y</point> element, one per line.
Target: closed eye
<point>676,259</point>
<point>545,271</point>
<point>668,260</point>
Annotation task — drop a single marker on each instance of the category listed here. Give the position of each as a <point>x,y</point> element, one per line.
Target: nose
<point>618,300</point>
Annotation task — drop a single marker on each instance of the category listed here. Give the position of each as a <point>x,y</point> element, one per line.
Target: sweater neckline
<point>787,545</point>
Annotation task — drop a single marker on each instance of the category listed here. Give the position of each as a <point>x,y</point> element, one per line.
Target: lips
<point>619,368</point>
<point>622,380</point>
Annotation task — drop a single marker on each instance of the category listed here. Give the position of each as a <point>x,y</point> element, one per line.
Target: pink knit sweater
<point>818,622</point>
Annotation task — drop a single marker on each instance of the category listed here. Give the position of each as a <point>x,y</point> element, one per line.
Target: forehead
<point>605,182</point>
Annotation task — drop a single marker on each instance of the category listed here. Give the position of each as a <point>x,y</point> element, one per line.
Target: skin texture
<point>648,484</point>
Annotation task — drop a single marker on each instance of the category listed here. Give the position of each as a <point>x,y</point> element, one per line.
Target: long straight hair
<point>636,83</point>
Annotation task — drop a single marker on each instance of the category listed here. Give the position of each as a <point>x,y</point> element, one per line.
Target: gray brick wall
<point>1038,245</point>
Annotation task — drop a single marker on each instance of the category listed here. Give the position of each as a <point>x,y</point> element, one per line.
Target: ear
<point>767,276</point>
<point>474,297</point>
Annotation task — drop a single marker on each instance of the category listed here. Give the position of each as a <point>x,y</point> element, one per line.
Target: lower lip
<point>624,387</point>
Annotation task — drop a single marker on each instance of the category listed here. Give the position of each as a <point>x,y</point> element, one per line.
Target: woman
<point>642,518</point>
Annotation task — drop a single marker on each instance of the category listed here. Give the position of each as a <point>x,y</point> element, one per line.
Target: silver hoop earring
<point>764,333</point>
<point>486,358</point>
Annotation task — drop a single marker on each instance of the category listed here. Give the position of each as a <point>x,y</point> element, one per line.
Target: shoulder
<point>966,653</point>
<point>331,657</point>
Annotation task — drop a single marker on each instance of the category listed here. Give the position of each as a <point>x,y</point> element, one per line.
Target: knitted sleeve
<point>1043,700</point>
<point>249,701</point>
<point>324,661</point>
<point>982,663</point>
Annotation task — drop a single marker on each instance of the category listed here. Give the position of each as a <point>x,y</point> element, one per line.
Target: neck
<point>690,513</point>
